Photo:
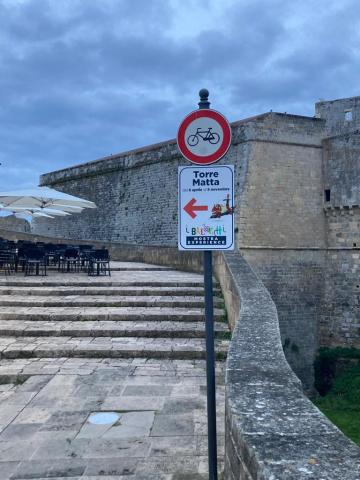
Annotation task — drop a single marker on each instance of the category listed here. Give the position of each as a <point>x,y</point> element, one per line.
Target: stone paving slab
<point>101,301</point>
<point>172,278</point>
<point>60,366</point>
<point>106,313</point>
<point>107,328</point>
<point>103,290</point>
<point>111,347</point>
<point>45,438</point>
<point>137,266</point>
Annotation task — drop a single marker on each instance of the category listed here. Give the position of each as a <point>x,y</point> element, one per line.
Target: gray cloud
<point>80,80</point>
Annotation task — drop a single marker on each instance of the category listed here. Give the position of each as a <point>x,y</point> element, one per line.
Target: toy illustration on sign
<point>220,209</point>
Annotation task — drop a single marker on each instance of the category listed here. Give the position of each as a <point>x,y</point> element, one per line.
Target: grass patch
<point>342,403</point>
<point>20,380</point>
<point>223,335</point>
<point>326,365</point>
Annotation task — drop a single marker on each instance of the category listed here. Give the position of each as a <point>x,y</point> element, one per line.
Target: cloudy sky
<point>81,79</point>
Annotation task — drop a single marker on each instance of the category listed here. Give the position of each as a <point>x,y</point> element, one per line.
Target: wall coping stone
<point>253,129</point>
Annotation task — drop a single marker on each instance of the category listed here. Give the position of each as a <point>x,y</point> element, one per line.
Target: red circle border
<point>220,152</point>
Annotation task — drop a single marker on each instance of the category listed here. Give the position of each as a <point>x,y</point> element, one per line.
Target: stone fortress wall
<point>340,314</point>
<point>15,224</point>
<point>302,245</point>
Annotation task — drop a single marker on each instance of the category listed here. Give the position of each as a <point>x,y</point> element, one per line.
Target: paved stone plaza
<point>130,345</point>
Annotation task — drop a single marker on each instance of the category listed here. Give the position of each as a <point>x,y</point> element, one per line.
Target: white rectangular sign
<point>206,208</point>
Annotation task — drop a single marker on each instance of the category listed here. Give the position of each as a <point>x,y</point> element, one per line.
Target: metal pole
<point>210,365</point>
<point>210,350</point>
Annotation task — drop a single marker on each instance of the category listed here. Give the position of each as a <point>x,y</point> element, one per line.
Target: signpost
<point>206,220</point>
<point>206,207</point>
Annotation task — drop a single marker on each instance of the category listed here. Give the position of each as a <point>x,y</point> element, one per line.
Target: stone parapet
<point>268,127</point>
<point>272,431</point>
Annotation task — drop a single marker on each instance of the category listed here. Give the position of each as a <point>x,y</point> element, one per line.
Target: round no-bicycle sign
<point>204,136</point>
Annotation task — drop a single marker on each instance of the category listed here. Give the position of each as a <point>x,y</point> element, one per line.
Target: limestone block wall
<point>136,192</point>
<point>295,280</point>
<point>341,115</point>
<point>343,227</point>
<point>342,170</point>
<point>13,223</point>
<point>136,195</point>
<point>340,310</point>
<point>282,205</point>
<point>340,316</point>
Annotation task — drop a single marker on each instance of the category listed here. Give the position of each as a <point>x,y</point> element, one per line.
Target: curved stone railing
<point>272,430</point>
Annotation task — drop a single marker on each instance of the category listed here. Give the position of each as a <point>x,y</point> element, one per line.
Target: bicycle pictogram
<point>205,135</point>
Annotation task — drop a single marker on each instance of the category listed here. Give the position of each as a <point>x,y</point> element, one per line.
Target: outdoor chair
<point>52,254</point>
<point>99,263</point>
<point>35,262</point>
<point>7,262</point>
<point>22,254</point>
<point>85,252</point>
<point>69,260</point>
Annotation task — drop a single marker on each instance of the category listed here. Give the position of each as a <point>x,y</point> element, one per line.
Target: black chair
<point>85,252</point>
<point>99,263</point>
<point>36,262</point>
<point>70,260</point>
<point>52,254</point>
<point>7,262</point>
<point>23,250</point>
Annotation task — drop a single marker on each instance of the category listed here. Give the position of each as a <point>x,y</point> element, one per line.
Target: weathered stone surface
<point>69,374</point>
<point>272,431</point>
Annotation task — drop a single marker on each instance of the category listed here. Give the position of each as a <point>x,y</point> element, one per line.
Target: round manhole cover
<point>103,418</point>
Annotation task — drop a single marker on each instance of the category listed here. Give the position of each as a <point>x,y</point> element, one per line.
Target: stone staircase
<point>129,315</point>
<point>130,346</point>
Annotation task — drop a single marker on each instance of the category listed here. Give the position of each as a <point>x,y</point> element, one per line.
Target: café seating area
<point>41,258</point>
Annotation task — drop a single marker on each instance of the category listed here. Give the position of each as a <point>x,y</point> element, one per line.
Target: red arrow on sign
<point>190,208</point>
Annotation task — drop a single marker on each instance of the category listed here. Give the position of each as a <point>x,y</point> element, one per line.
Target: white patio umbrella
<point>42,197</point>
<point>23,214</point>
<point>36,212</point>
<point>66,208</point>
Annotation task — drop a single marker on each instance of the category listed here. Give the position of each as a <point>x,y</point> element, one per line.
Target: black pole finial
<point>204,98</point>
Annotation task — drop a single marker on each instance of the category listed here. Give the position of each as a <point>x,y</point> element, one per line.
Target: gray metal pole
<point>210,349</point>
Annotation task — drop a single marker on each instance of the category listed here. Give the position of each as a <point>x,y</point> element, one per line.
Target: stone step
<point>85,281</point>
<point>105,291</point>
<point>139,269</point>
<point>166,329</point>
<point>104,347</point>
<point>102,301</point>
<point>107,313</point>
<point>117,266</point>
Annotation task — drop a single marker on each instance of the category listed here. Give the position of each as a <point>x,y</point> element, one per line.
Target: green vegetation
<point>341,403</point>
<point>326,365</point>
<point>223,335</point>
